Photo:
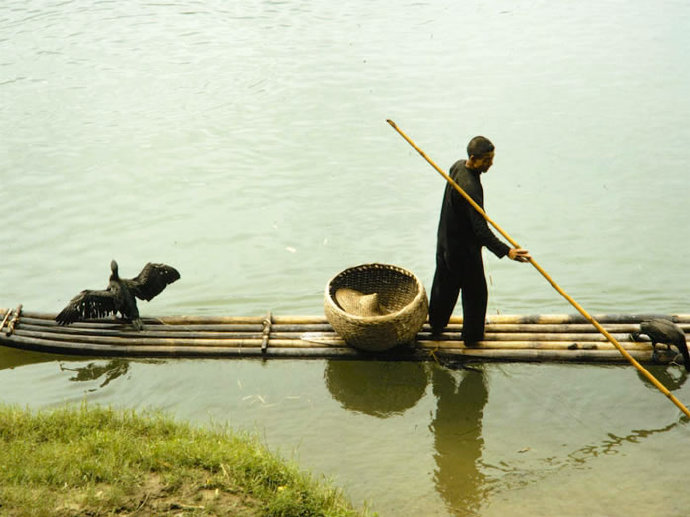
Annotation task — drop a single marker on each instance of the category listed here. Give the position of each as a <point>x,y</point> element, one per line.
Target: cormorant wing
<point>86,305</point>
<point>152,280</point>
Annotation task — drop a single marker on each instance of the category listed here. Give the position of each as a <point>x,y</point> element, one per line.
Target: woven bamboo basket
<point>400,295</point>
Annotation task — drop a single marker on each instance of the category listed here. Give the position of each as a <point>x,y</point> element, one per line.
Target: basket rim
<point>384,317</point>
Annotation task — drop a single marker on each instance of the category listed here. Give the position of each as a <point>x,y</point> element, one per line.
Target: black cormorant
<point>665,331</point>
<point>120,295</point>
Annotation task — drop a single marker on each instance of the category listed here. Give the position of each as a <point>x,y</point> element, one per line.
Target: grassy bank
<point>95,461</point>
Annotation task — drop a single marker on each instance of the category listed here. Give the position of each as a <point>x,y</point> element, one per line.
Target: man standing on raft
<point>462,231</point>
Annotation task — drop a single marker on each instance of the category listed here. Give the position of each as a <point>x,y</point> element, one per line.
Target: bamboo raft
<point>548,337</point>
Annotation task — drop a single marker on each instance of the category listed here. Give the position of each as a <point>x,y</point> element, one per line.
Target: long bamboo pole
<point>523,339</point>
<point>565,295</point>
<point>321,350</point>
<point>256,321</point>
<point>494,330</point>
<point>565,341</point>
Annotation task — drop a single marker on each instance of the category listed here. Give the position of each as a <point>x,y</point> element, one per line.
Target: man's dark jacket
<point>462,231</point>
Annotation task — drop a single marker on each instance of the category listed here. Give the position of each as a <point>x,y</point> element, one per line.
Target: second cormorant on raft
<point>665,331</point>
<point>120,295</point>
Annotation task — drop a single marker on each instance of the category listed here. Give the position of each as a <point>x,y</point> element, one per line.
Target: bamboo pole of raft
<point>498,319</point>
<point>565,295</point>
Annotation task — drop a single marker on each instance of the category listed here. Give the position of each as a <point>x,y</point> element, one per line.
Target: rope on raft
<point>13,321</point>
<point>266,332</point>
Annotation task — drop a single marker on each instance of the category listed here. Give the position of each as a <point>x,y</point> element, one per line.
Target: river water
<point>246,144</point>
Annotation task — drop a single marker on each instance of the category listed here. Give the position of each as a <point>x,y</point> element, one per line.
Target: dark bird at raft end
<point>120,295</point>
<point>664,331</point>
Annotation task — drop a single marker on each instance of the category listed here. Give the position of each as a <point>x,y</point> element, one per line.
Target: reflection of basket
<point>400,295</point>
<point>377,388</point>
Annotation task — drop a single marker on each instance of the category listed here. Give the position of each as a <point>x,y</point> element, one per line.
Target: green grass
<point>96,461</point>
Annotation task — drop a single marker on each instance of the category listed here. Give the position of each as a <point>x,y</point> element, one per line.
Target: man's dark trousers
<point>463,273</point>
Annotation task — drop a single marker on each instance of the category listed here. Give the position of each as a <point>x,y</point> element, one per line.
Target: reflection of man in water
<point>457,428</point>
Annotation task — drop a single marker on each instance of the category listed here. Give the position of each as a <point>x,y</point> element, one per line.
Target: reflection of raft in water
<point>508,338</point>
